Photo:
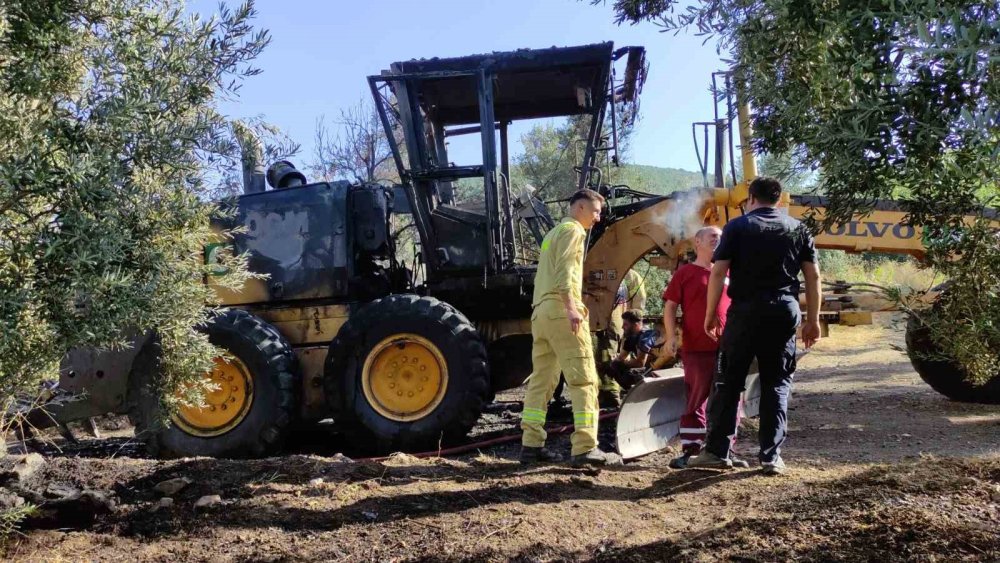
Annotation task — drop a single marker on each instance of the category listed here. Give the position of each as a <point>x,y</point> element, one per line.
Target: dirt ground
<point>882,468</point>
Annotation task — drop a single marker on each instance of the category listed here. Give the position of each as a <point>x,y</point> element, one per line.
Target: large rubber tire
<point>270,362</point>
<point>464,355</point>
<point>945,377</point>
<point>510,361</point>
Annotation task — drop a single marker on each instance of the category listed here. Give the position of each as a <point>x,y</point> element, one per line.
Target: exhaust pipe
<point>282,174</point>
<point>251,156</point>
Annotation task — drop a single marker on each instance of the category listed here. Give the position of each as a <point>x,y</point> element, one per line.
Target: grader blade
<point>751,397</point>
<point>650,415</point>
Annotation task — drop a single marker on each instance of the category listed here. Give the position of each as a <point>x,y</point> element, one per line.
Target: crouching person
<point>640,352</point>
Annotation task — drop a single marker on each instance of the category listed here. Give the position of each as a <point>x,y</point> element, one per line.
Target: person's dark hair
<point>766,190</point>
<point>632,316</point>
<point>586,194</point>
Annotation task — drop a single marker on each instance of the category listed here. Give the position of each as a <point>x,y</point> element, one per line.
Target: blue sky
<point>321,52</point>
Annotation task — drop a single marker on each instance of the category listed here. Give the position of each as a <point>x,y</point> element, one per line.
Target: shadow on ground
<point>884,513</point>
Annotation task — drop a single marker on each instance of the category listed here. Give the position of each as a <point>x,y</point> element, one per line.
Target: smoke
<point>683,218</point>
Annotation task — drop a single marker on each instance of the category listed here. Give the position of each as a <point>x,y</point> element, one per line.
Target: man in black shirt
<point>763,253</point>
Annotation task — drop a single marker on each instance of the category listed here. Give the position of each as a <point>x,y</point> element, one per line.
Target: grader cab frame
<point>468,248</point>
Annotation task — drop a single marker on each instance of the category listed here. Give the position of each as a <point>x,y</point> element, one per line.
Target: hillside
<point>653,179</point>
<point>658,180</point>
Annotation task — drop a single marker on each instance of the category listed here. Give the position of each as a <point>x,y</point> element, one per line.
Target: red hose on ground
<point>491,442</point>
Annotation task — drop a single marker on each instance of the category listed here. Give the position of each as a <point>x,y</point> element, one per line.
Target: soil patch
<point>882,468</point>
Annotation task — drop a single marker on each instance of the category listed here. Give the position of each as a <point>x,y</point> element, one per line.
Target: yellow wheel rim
<point>405,377</point>
<point>225,407</point>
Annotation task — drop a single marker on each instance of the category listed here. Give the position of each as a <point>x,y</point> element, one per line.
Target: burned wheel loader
<point>340,328</point>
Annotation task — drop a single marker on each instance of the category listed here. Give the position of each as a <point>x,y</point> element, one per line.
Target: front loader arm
<point>663,224</point>
<point>667,224</point>
<point>883,230</point>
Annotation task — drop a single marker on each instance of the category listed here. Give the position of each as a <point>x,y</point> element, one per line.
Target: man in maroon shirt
<point>688,289</point>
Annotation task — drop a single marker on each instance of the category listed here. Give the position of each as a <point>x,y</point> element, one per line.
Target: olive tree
<point>108,129</point>
<point>356,148</point>
<point>886,100</point>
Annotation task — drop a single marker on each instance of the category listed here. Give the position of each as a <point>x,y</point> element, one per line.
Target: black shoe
<point>638,375</point>
<point>597,458</point>
<point>609,400</point>
<point>531,455</point>
<point>708,460</point>
<point>680,462</point>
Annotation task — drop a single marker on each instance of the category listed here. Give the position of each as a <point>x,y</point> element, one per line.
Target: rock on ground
<point>20,468</point>
<point>171,487</point>
<point>207,501</point>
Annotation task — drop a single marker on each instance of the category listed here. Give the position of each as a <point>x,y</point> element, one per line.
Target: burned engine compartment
<point>323,240</point>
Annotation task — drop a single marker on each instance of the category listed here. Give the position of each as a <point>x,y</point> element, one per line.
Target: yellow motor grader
<point>341,328</point>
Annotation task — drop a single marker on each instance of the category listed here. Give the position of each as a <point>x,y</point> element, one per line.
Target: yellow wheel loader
<point>664,226</point>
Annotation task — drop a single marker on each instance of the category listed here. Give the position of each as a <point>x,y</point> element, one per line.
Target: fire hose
<point>489,442</point>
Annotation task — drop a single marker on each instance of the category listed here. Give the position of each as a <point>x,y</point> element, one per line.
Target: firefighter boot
<point>597,458</point>
<point>531,455</point>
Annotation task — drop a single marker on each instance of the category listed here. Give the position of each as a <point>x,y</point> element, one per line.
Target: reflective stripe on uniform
<point>584,419</point>
<point>692,431</point>
<point>533,415</point>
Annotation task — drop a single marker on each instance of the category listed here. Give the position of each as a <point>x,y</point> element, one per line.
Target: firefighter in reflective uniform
<point>561,340</point>
<point>631,295</point>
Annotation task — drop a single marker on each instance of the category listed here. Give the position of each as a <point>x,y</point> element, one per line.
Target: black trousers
<point>623,375</point>
<point>762,329</point>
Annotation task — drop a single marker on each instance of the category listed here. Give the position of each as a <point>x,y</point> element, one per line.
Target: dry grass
<point>907,275</point>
